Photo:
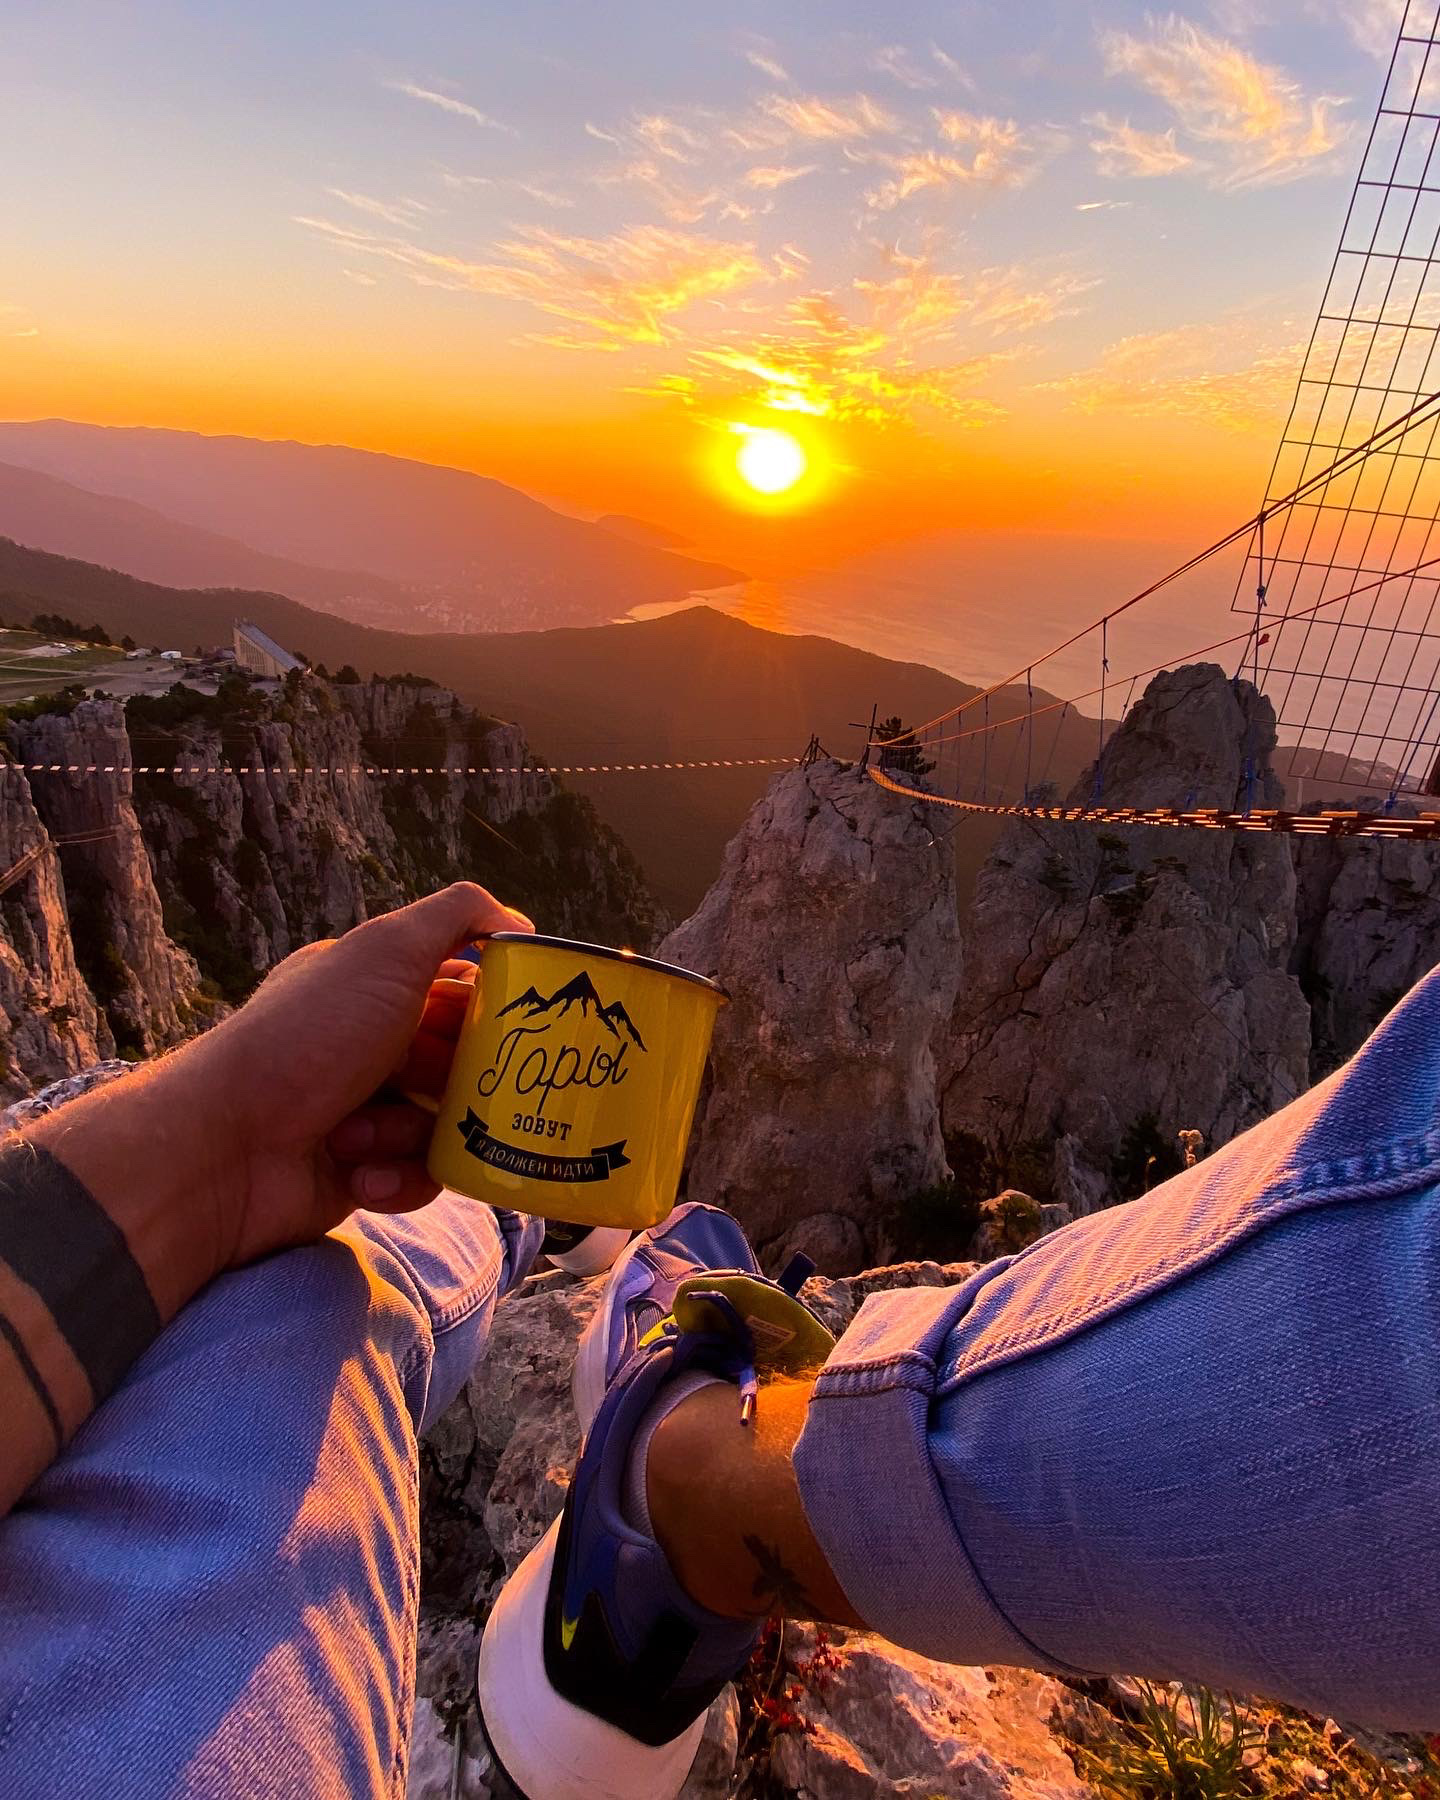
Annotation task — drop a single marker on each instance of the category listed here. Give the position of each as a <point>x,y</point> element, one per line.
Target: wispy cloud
<point>448,103</point>
<point>393,212</point>
<point>776,177</point>
<point>909,342</point>
<point>625,289</point>
<point>1372,24</point>
<point>986,152</point>
<point>901,65</point>
<point>1238,372</point>
<point>1124,150</point>
<point>1258,126</point>
<point>508,184</point>
<point>1101,205</point>
<point>837,120</point>
<point>11,326</point>
<point>768,65</point>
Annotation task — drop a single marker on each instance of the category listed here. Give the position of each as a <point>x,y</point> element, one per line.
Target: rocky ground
<point>868,1719</point>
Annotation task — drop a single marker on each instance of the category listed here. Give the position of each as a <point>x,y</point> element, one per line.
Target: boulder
<point>833,926</point>
<point>1124,984</point>
<point>886,1722</point>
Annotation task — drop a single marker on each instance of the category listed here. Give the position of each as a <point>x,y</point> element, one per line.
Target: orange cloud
<point>1263,129</point>
<point>1236,372</point>
<point>777,177</point>
<point>1123,149</point>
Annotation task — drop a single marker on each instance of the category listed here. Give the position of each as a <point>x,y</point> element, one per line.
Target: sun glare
<point>771,462</point>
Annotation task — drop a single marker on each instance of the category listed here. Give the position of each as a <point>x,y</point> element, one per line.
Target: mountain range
<point>395,542</point>
<point>696,685</point>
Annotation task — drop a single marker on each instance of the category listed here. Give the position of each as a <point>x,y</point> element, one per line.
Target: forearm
<point>110,1219</point>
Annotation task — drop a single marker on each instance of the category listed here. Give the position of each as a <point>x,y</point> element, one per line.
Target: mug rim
<point>632,958</point>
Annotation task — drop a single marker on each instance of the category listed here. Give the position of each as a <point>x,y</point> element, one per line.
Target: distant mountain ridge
<point>695,685</point>
<point>56,515</point>
<point>446,550</point>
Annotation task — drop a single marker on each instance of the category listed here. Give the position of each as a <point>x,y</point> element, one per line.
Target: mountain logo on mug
<point>580,991</point>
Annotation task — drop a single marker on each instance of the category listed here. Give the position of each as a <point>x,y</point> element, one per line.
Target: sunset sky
<point>1031,266</point>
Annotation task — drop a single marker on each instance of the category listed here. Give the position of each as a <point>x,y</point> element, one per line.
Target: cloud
<point>625,289</point>
<point>1262,128</point>
<point>808,116</point>
<point>776,177</point>
<point>994,153</point>
<point>532,190</point>
<point>1238,372</point>
<point>1101,205</point>
<point>909,342</point>
<point>393,212</point>
<point>359,277</point>
<point>448,103</point>
<point>948,65</point>
<point>767,65</point>
<point>1123,149</point>
<point>1372,24</point>
<point>898,63</point>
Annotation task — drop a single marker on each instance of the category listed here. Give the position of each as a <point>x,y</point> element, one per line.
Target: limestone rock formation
<point>1369,923</point>
<point>887,1722</point>
<point>145,984</point>
<point>50,1026</point>
<point>155,901</point>
<point>833,925</point>
<point>1125,983</point>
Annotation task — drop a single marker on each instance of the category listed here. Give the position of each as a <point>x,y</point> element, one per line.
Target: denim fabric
<point>1198,1435</point>
<point>213,1592</point>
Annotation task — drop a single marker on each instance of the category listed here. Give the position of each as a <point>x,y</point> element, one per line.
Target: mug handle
<point>449,984</point>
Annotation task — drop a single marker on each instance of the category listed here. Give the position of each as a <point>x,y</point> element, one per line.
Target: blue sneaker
<point>596,1668</point>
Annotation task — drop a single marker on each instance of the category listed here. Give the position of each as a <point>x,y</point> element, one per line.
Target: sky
<point>1039,267</point>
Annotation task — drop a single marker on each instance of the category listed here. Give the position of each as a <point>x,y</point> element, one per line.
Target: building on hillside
<point>258,652</point>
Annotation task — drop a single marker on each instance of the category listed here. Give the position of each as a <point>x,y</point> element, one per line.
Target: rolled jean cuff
<point>871,1493</point>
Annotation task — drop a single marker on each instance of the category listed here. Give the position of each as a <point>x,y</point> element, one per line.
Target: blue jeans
<point>1195,1436</point>
<point>1198,1435</point>
<point>213,1592</point>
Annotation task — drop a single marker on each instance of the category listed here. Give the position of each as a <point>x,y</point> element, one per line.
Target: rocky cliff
<point>158,899</point>
<point>1124,984</point>
<point>833,925</point>
<point>1369,928</point>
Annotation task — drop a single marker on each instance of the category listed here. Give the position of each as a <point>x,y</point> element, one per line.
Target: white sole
<point>550,1749</point>
<point>596,1251</point>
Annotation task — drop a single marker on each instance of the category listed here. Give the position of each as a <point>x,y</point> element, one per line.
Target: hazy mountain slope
<point>55,515</point>
<point>697,684</point>
<point>471,553</point>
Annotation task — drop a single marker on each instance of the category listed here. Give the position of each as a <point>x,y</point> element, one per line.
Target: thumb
<point>414,940</point>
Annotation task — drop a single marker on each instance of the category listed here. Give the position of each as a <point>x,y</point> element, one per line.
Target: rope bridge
<point>1339,571</point>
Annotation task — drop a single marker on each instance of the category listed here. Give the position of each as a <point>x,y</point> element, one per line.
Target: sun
<point>770,462</point>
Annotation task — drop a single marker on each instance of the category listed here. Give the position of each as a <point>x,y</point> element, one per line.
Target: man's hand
<point>272,1127</point>
<point>296,1074</point>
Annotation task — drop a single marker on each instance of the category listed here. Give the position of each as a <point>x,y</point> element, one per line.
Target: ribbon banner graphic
<point>597,1166</point>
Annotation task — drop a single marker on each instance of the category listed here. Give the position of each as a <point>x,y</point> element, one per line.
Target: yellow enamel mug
<point>574,1081</point>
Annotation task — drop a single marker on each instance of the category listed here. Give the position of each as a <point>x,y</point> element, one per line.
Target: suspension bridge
<point>1338,571</point>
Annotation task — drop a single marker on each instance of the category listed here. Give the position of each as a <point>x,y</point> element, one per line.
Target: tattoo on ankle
<point>781,1586</point>
<point>58,1240</point>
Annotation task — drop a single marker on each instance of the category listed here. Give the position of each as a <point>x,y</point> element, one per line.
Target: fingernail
<point>354,1137</point>
<point>380,1184</point>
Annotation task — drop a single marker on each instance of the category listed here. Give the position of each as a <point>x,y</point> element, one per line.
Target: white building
<point>257,651</point>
